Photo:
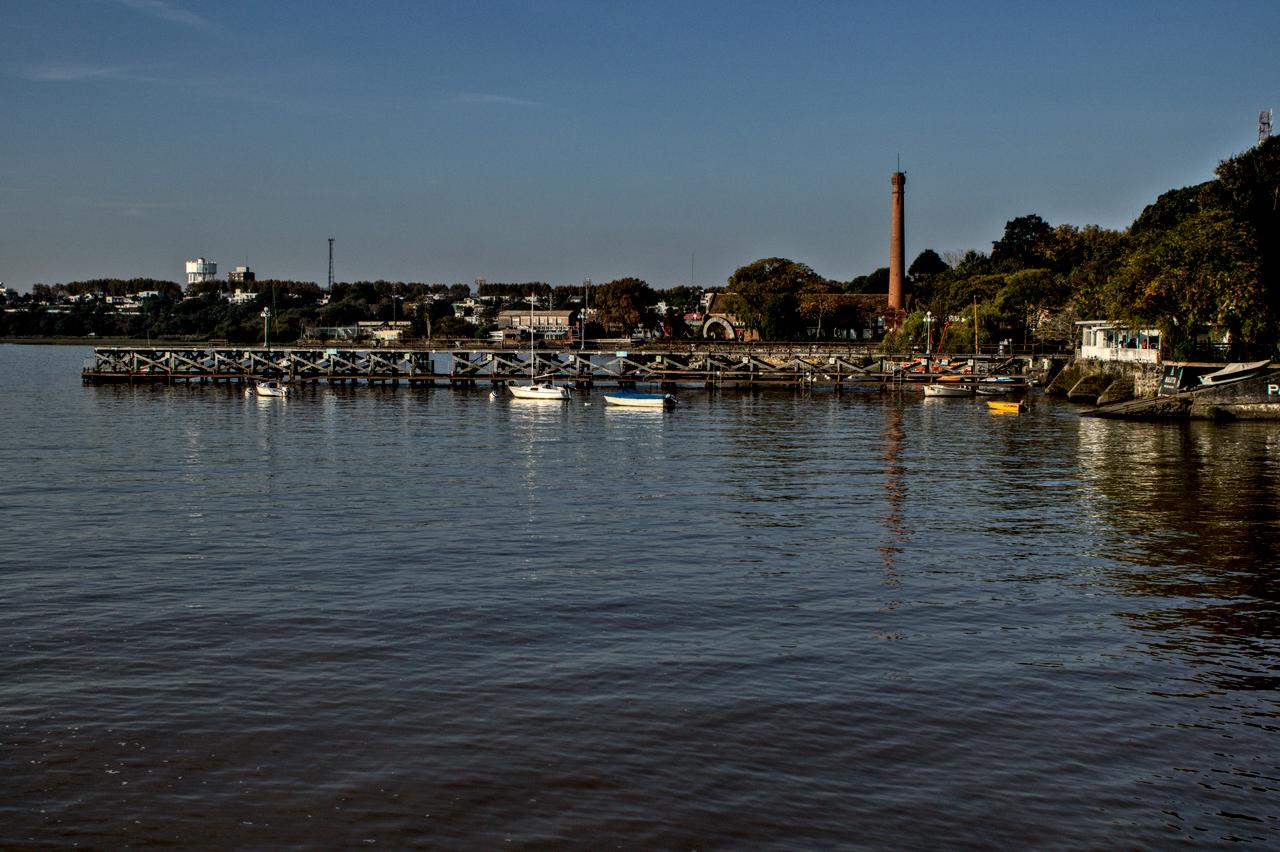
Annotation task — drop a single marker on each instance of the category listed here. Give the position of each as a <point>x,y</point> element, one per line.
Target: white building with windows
<point>1103,340</point>
<point>200,270</point>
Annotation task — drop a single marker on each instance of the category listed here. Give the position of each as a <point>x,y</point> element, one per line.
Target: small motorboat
<point>1006,406</point>
<point>1000,386</point>
<point>271,388</point>
<point>948,390</point>
<point>639,399</point>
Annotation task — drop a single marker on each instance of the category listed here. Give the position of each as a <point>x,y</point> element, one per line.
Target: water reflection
<point>895,491</point>
<point>1192,513</point>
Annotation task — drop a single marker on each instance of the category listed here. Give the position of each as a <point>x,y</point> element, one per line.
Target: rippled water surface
<point>424,618</point>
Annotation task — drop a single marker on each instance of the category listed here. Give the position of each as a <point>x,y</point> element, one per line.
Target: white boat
<point>1235,373</point>
<point>537,389</point>
<point>639,399</point>
<point>271,387</point>
<point>947,390</point>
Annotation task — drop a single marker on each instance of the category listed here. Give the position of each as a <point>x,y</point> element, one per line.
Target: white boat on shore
<point>1235,373</point>
<point>639,399</point>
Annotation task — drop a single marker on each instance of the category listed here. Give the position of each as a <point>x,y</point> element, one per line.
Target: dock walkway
<point>709,366</point>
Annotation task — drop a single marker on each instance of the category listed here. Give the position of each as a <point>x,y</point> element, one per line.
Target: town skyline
<point>564,142</point>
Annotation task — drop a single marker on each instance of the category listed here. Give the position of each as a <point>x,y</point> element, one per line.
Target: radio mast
<point>331,263</point>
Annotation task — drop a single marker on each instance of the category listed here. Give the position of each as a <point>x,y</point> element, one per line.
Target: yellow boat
<point>1005,406</point>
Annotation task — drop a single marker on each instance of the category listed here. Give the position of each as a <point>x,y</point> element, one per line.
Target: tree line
<point>1199,262</point>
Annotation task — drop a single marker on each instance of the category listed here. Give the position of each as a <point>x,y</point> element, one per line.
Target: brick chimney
<point>897,257</point>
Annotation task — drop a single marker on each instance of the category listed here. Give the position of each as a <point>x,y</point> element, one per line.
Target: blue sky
<point>557,141</point>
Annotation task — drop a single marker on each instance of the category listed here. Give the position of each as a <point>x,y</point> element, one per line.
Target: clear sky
<point>558,140</point>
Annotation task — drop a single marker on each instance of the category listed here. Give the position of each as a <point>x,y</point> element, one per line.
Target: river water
<point>396,618</point>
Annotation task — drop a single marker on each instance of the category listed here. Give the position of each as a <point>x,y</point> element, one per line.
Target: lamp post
<point>266,328</point>
<point>582,320</point>
<point>928,333</point>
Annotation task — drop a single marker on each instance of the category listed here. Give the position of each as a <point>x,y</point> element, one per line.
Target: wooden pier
<point>708,366</point>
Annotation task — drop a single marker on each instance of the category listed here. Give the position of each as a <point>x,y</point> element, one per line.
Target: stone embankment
<point>1105,383</point>
<point>1131,391</point>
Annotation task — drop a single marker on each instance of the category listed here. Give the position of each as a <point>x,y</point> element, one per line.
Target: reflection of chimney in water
<point>897,259</point>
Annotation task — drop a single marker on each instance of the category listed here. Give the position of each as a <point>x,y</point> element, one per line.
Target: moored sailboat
<point>536,389</point>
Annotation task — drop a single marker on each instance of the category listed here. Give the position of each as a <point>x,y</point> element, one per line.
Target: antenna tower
<point>331,263</point>
<point>1264,125</point>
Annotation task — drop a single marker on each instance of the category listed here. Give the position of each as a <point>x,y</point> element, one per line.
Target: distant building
<point>241,275</point>
<point>545,323</point>
<point>382,332</point>
<point>242,297</point>
<point>201,270</point>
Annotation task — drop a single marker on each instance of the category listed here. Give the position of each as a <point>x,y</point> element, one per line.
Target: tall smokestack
<point>897,259</point>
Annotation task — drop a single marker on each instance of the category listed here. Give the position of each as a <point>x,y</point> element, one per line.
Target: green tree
<point>624,305</point>
<point>874,282</point>
<point>829,311</point>
<point>682,298</point>
<point>1097,255</point>
<point>768,293</point>
<point>1202,272</point>
<point>927,263</point>
<point>1023,243</point>
<point>1249,186</point>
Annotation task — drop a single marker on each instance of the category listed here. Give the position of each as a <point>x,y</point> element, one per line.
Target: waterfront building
<point>1105,340</point>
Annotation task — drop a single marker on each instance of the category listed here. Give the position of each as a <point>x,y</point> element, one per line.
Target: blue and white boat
<point>639,399</point>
